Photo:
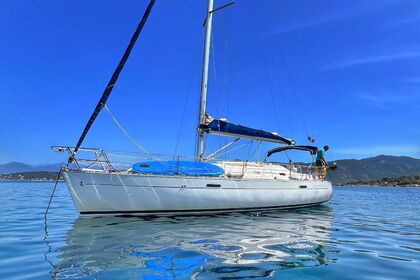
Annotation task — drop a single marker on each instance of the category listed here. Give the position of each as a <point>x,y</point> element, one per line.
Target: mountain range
<point>349,170</point>
<point>374,168</point>
<point>19,167</point>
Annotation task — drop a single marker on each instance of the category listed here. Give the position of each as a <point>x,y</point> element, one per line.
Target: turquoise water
<point>364,233</point>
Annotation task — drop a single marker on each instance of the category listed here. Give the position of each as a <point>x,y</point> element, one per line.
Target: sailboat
<point>202,185</point>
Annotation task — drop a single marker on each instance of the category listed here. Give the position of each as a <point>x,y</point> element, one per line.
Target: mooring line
<point>47,243</point>
<point>52,194</point>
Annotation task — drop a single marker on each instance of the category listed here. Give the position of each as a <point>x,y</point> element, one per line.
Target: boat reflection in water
<point>235,245</point>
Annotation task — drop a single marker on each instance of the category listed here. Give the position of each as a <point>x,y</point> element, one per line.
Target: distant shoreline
<point>37,176</point>
<point>404,181</point>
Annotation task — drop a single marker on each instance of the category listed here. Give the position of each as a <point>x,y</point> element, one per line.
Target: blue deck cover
<point>182,167</point>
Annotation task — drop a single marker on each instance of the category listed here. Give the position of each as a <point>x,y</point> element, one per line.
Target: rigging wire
<point>233,149</point>
<point>256,148</point>
<point>218,94</point>
<point>128,135</point>
<point>292,84</point>
<point>276,75</point>
<point>249,151</point>
<point>214,69</point>
<point>131,138</point>
<point>229,59</point>
<point>187,98</point>
<point>229,54</point>
<point>264,51</point>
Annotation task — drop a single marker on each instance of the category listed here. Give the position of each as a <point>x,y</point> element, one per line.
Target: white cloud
<point>368,151</point>
<point>413,80</point>
<point>332,15</point>
<point>310,23</point>
<point>406,21</point>
<point>373,59</point>
<point>386,100</point>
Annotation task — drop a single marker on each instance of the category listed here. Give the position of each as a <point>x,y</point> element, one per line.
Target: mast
<point>204,81</point>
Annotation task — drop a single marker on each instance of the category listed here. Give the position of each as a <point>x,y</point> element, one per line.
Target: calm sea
<point>363,233</point>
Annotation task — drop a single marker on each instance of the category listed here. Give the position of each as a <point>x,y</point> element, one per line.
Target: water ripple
<point>362,232</point>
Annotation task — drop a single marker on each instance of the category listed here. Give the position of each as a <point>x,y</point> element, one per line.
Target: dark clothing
<point>319,163</point>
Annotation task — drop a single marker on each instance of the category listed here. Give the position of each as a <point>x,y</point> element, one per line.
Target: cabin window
<point>213,186</point>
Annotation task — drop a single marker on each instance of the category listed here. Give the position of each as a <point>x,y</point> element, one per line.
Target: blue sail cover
<point>235,130</point>
<point>182,167</point>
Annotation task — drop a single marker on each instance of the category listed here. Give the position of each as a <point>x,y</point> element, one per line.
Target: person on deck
<point>321,162</point>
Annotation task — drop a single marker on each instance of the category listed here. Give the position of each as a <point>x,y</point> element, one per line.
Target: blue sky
<point>346,72</point>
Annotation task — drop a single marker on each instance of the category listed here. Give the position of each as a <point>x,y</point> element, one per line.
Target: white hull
<point>98,193</point>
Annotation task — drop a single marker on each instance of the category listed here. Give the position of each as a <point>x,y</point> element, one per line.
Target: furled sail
<point>114,78</point>
<point>222,127</point>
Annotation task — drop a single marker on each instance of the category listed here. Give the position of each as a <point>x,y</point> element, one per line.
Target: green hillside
<point>374,168</point>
